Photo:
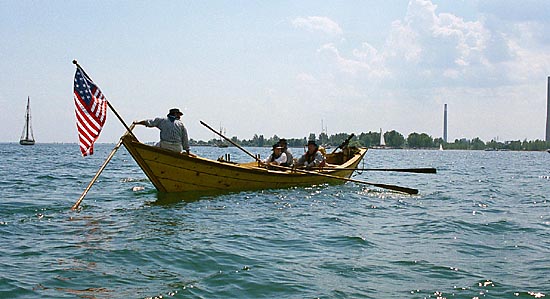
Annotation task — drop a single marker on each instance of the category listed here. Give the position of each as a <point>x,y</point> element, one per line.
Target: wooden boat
<point>27,137</point>
<point>174,172</point>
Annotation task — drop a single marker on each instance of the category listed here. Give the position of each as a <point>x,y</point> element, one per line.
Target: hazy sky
<point>281,67</point>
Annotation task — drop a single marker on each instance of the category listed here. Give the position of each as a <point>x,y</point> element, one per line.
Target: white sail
<point>382,139</point>
<point>27,137</point>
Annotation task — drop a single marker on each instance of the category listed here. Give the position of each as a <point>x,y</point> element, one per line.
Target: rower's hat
<point>312,142</point>
<point>276,145</point>
<point>175,111</point>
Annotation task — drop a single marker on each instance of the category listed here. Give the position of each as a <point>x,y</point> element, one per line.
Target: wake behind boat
<point>175,172</point>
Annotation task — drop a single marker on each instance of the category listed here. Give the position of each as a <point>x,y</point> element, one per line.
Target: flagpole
<point>108,103</point>
<point>128,131</point>
<point>77,203</point>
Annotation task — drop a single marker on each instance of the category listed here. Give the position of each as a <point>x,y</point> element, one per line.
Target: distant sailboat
<point>382,139</point>
<point>323,137</point>
<point>440,147</point>
<point>222,143</point>
<point>27,137</point>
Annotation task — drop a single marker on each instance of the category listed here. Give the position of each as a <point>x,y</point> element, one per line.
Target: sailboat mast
<point>27,137</point>
<point>27,121</point>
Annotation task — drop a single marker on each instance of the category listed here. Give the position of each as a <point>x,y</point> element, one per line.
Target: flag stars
<point>91,108</point>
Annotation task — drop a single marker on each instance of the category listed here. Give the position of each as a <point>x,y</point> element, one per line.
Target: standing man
<point>173,135</point>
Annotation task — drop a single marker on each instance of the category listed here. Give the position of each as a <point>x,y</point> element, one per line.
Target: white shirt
<point>279,161</point>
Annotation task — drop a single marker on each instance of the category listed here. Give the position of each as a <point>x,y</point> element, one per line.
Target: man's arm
<point>149,122</point>
<point>185,141</point>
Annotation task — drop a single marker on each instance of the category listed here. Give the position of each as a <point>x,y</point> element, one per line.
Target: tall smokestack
<point>548,111</point>
<point>445,123</point>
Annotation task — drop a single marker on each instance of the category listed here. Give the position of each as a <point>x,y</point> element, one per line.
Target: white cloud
<point>425,42</point>
<point>490,70</point>
<point>306,78</point>
<point>430,48</point>
<point>322,24</point>
<point>366,61</point>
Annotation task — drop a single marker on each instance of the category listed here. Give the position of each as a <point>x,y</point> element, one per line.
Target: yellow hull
<point>174,172</point>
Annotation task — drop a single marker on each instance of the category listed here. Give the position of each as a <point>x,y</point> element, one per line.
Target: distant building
<point>445,124</point>
<point>548,111</point>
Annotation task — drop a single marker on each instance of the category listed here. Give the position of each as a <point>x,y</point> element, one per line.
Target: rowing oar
<point>77,203</point>
<point>230,141</point>
<point>384,186</point>
<point>344,144</point>
<point>413,170</point>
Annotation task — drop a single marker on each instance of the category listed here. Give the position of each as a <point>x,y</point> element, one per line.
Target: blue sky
<point>281,67</point>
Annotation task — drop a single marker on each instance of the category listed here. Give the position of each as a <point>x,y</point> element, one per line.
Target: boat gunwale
<point>240,166</point>
<point>195,163</point>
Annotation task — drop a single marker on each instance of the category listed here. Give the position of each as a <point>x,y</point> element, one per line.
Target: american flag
<point>91,111</point>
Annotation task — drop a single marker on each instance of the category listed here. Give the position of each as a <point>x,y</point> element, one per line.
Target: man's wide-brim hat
<point>276,145</point>
<point>175,111</point>
<point>312,142</point>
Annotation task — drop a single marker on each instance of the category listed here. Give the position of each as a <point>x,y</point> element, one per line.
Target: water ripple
<point>477,229</point>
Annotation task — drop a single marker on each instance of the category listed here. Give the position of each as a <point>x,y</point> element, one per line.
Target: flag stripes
<point>90,110</point>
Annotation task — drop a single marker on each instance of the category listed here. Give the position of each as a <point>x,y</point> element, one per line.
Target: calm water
<point>480,228</point>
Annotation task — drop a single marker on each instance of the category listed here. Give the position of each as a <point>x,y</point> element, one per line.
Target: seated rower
<point>277,157</point>
<point>289,158</point>
<point>312,158</point>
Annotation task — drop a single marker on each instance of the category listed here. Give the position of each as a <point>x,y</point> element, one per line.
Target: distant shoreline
<point>301,147</point>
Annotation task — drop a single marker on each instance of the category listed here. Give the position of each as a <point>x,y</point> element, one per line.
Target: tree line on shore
<point>393,139</point>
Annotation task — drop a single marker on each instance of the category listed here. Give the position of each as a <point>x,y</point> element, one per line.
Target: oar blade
<point>411,191</point>
<point>411,170</point>
<point>416,170</point>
